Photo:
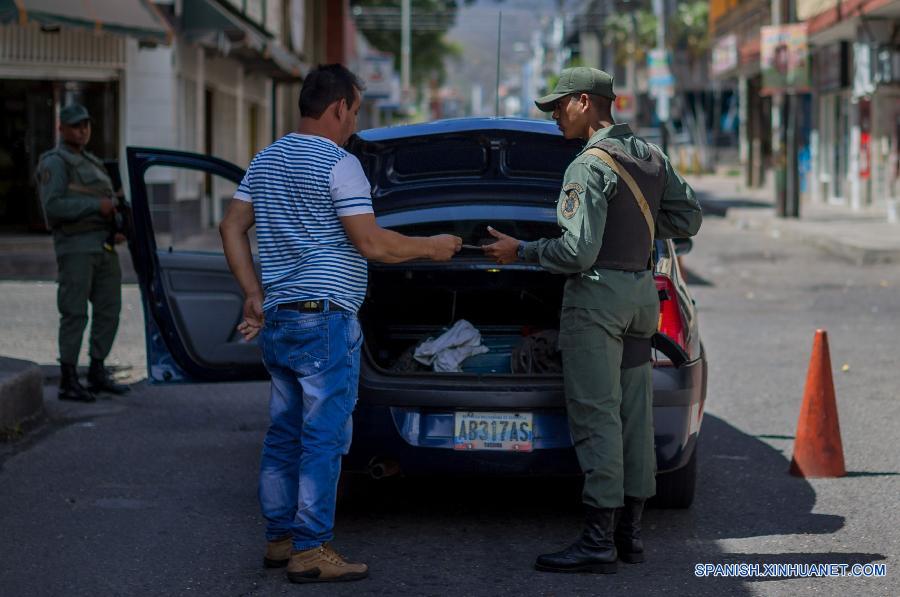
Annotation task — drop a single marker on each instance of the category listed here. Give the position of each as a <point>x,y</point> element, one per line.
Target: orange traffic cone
<point>818,451</point>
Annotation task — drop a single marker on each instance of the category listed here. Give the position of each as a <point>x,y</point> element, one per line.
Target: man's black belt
<point>321,306</point>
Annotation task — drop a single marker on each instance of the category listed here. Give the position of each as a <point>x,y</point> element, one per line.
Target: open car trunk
<point>407,304</point>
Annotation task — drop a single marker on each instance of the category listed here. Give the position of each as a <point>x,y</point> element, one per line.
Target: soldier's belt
<point>81,227</point>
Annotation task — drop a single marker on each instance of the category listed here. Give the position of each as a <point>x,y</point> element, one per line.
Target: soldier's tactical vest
<point>87,178</point>
<point>626,238</point>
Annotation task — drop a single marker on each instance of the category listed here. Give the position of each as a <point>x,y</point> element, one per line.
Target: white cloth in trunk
<point>447,351</point>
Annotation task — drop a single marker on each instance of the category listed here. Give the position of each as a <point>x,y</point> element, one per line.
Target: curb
<point>21,395</point>
<point>818,234</point>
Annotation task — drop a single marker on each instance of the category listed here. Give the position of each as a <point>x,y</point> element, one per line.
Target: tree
<point>690,29</point>
<point>630,33</point>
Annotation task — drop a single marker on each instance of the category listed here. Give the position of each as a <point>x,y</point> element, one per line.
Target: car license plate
<point>509,432</point>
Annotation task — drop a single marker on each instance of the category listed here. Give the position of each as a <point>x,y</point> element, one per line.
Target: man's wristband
<point>520,252</point>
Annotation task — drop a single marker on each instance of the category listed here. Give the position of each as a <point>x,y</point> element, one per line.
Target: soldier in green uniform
<point>618,194</point>
<point>80,204</point>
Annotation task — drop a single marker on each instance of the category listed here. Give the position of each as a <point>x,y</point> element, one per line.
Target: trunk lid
<point>465,161</point>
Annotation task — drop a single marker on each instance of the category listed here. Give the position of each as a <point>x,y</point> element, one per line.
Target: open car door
<point>191,301</point>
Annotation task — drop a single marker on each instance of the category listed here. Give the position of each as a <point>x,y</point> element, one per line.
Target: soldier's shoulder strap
<point>93,159</point>
<point>636,191</point>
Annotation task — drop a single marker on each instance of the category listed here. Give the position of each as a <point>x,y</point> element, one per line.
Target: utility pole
<point>404,50</point>
<point>662,98</point>
<point>784,135</point>
<point>778,150</point>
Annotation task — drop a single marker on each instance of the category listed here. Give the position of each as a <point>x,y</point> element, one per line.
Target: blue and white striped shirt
<point>299,186</point>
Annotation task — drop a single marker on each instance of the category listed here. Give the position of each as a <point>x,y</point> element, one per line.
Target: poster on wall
<point>784,57</point>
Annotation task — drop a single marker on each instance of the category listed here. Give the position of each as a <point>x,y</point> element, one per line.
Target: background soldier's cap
<point>579,79</point>
<point>73,114</point>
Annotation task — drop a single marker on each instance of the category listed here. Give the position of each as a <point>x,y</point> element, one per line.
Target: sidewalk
<point>31,257</point>
<point>861,237</point>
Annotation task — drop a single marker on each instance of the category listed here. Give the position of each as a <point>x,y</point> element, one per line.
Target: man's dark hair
<point>325,85</point>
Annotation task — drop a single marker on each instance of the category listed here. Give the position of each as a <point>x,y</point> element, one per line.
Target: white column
<point>282,97</point>
<point>240,134</point>
<point>200,104</point>
<point>200,115</point>
<point>853,159</point>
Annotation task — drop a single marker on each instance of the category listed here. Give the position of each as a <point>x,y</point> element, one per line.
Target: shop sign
<point>887,66</point>
<point>724,55</point>
<point>863,79</point>
<point>784,57</point>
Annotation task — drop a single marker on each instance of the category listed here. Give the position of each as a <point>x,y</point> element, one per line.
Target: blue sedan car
<point>492,417</point>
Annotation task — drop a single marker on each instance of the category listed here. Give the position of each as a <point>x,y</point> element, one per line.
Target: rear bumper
<point>414,427</point>
<point>671,387</point>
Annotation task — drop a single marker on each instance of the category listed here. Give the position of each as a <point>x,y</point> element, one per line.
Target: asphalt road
<point>154,494</point>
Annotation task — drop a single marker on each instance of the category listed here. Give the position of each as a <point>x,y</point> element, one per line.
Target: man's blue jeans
<point>313,359</point>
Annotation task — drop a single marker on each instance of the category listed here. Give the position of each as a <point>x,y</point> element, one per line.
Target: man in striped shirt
<point>311,204</point>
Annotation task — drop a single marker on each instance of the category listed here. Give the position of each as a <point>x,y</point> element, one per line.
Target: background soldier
<point>617,194</point>
<point>80,206</point>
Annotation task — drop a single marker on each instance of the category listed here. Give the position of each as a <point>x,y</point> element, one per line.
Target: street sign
<point>659,75</point>
<point>377,73</point>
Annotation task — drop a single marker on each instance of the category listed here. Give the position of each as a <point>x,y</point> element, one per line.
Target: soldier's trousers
<point>610,408</point>
<point>84,277</point>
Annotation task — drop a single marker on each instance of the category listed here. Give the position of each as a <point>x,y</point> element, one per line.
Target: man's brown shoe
<point>278,552</point>
<point>323,564</point>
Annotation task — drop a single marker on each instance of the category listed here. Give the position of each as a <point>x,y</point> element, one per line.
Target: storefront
<point>831,140</point>
<point>52,53</point>
<point>199,76</point>
<point>33,88</point>
<point>857,83</point>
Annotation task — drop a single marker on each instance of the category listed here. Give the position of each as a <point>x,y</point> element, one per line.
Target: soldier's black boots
<point>69,386</point>
<point>99,380</point>
<point>628,531</point>
<point>594,551</point>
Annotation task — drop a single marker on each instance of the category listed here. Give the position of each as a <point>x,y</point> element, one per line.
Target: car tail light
<point>671,320</point>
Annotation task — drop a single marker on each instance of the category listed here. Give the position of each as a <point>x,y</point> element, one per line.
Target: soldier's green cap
<point>73,114</point>
<point>579,79</point>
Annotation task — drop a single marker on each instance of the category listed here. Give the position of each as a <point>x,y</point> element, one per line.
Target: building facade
<point>219,77</point>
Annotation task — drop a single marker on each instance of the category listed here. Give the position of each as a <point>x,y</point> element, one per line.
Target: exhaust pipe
<point>380,468</point>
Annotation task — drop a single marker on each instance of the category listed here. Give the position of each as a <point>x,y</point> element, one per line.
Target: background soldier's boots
<point>323,564</point>
<point>99,379</point>
<point>628,531</point>
<point>278,552</point>
<point>69,386</point>
<point>595,551</point>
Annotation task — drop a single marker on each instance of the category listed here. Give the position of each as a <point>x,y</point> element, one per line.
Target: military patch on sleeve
<point>572,201</point>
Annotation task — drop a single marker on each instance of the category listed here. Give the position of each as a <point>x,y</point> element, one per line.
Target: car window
<point>450,156</point>
<point>549,160</point>
<point>186,207</point>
